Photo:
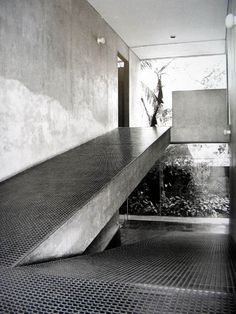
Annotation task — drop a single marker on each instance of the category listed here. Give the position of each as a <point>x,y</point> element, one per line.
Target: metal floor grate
<point>30,293</point>
<point>175,273</point>
<point>192,261</point>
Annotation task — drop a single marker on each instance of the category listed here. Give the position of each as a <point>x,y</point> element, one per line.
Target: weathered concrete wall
<point>58,87</point>
<point>199,116</point>
<point>231,50</point>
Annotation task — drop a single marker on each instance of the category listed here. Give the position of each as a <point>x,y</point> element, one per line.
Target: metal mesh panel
<point>27,292</point>
<point>195,261</point>
<point>172,273</point>
<point>175,273</point>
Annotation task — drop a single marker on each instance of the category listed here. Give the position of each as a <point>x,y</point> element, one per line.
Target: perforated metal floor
<point>177,272</point>
<point>35,203</point>
<point>174,273</point>
<point>192,261</point>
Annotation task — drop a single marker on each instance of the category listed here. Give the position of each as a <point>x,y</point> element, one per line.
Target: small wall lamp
<point>101,41</point>
<point>230,20</point>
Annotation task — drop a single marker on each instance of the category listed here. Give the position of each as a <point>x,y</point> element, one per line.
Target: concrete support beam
<point>103,239</point>
<point>138,150</point>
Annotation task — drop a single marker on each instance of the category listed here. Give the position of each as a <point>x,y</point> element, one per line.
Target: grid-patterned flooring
<point>178,272</point>
<point>192,261</point>
<point>172,272</point>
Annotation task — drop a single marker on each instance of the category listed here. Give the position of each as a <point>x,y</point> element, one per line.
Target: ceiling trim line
<point>178,43</point>
<point>190,56</point>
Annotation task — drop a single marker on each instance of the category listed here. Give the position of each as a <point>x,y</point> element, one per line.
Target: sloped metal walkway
<point>36,203</point>
<point>175,273</point>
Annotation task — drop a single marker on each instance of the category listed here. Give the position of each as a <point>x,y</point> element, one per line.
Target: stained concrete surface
<point>58,87</point>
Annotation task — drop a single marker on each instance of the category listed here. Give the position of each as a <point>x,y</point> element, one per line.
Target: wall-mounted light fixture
<point>230,20</point>
<point>101,41</point>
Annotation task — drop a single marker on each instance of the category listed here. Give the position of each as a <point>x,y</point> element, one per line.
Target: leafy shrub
<point>176,187</point>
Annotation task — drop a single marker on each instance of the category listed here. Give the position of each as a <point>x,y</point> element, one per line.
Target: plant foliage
<point>176,187</point>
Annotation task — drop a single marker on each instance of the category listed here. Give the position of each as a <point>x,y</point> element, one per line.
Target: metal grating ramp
<point>176,272</point>
<point>37,202</point>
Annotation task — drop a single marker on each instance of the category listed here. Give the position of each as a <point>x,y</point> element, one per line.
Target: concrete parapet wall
<point>199,116</point>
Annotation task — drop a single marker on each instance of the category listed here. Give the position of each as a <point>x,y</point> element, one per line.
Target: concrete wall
<point>231,47</point>
<point>58,87</point>
<point>199,116</point>
<point>137,113</point>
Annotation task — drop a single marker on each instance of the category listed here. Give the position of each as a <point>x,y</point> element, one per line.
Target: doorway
<point>123,91</point>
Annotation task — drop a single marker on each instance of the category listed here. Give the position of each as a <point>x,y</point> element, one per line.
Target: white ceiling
<point>146,25</point>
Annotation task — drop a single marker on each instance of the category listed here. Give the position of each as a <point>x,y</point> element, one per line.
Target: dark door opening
<point>123,91</point>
